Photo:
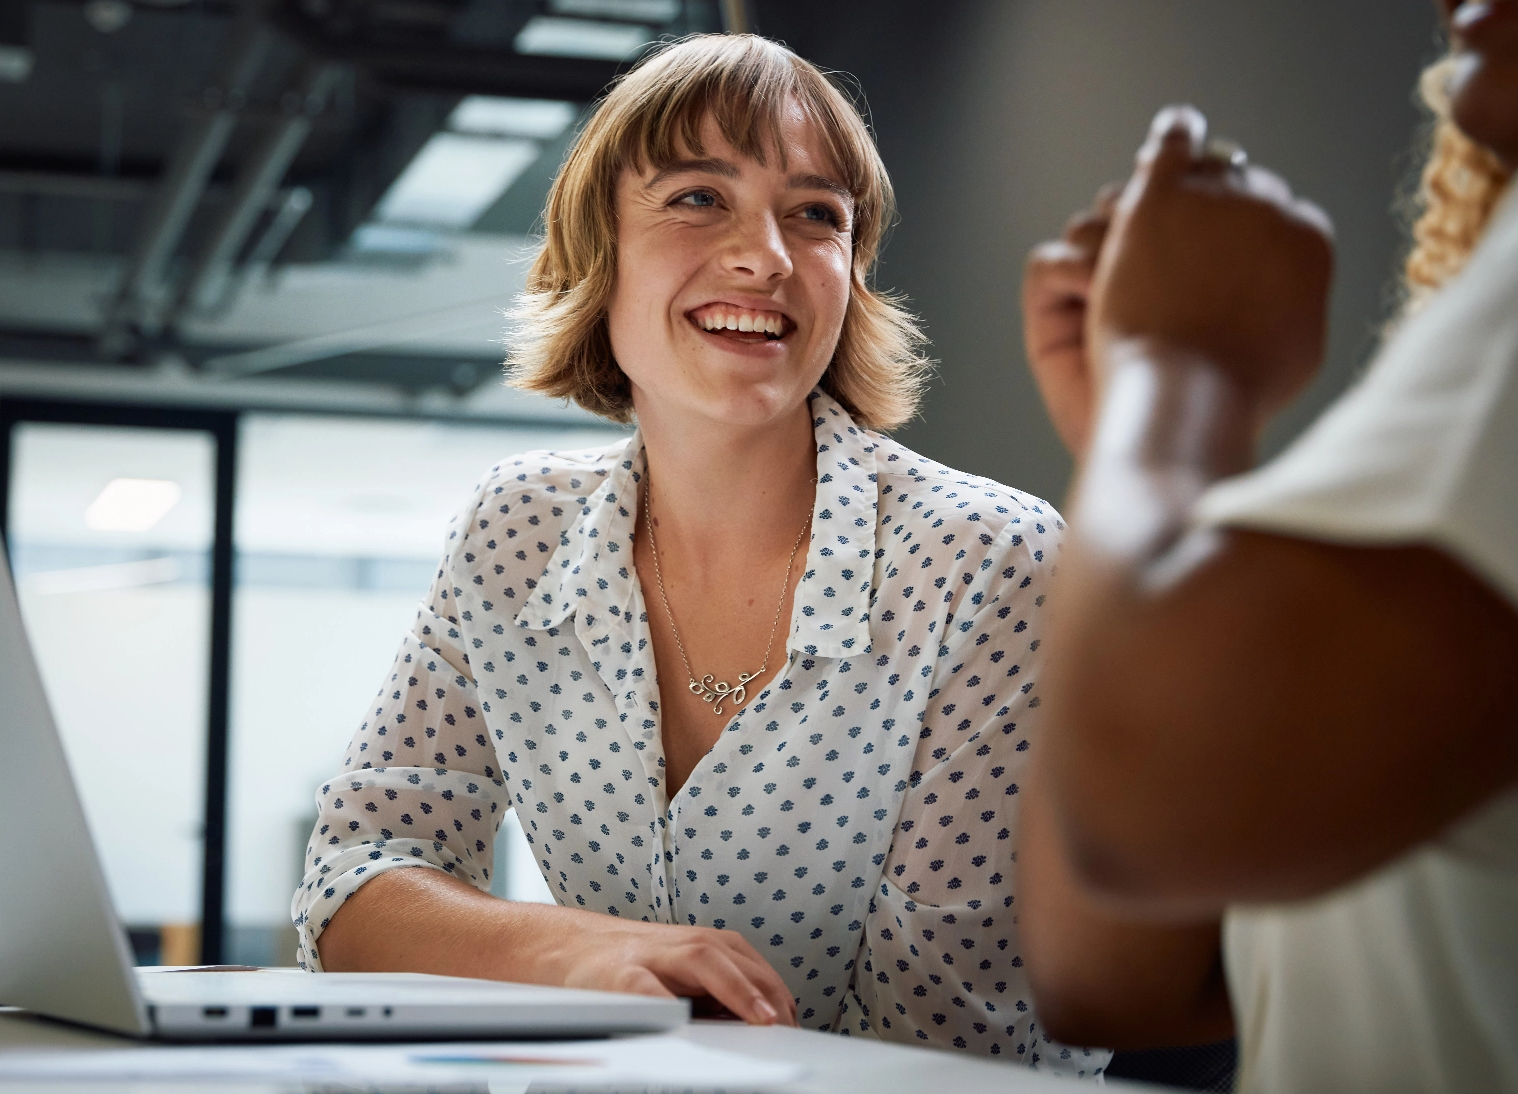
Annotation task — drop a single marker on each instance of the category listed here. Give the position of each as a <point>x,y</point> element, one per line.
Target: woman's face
<point>1484,87</point>
<point>732,279</point>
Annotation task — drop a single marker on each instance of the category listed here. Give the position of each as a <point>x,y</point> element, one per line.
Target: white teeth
<point>747,321</point>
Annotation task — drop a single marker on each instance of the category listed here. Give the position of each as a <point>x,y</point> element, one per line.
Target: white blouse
<point>855,819</point>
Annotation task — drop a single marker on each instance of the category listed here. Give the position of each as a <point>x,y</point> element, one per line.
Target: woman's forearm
<point>1170,426</point>
<point>421,920</point>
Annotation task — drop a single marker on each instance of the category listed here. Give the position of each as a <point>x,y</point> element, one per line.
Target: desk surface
<point>830,1063</point>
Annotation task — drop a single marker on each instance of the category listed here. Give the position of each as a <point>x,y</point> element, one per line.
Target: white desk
<point>831,1064</point>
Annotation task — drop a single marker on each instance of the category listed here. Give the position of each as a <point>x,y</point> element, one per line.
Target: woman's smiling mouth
<point>741,324</point>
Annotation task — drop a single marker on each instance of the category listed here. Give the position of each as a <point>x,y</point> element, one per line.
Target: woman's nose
<point>757,248</point>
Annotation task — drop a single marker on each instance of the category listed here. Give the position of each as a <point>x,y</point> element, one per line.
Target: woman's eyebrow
<point>819,182</point>
<point>709,166</point>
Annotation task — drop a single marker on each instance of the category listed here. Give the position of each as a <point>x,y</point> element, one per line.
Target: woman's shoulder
<point>569,475</point>
<point>917,491</point>
<point>523,503</point>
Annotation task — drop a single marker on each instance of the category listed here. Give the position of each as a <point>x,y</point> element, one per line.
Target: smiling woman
<point>654,148</point>
<point>759,682</point>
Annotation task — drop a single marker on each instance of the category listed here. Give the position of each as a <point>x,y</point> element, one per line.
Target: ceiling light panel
<point>455,178</point>
<point>603,41</point>
<point>646,11</point>
<point>543,119</point>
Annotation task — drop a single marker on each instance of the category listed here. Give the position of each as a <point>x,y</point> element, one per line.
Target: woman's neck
<point>722,490</point>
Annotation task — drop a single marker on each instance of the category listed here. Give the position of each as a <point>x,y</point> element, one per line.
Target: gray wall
<point>999,118</point>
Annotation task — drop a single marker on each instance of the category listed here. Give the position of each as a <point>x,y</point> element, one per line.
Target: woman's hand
<point>1215,264</point>
<point>1056,288</point>
<point>418,920</point>
<point>666,959</point>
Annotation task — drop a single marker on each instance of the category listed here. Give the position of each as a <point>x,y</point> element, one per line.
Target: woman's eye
<point>699,199</point>
<point>822,214</point>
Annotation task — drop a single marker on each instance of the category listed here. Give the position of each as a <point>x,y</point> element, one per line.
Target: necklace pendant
<point>718,692</point>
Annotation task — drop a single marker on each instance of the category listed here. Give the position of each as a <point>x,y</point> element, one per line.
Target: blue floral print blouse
<point>855,819</point>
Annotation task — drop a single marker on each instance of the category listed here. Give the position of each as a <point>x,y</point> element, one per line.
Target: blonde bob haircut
<point>651,118</point>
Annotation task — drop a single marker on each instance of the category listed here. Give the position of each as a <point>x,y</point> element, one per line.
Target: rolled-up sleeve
<point>420,784</point>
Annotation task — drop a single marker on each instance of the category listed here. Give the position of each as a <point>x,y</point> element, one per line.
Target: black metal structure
<point>171,141</point>
<point>221,425</point>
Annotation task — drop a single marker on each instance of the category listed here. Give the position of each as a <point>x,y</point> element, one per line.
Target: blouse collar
<point>591,572</point>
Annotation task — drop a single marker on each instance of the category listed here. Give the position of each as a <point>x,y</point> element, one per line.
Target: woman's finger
<point>1106,199</point>
<point>1087,231</point>
<point>1264,183</point>
<point>1058,269</point>
<point>761,972</point>
<point>713,970</point>
<point>720,974</point>
<point>1089,234</point>
<point>1175,141</point>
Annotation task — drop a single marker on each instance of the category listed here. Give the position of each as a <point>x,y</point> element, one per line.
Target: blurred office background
<point>253,258</point>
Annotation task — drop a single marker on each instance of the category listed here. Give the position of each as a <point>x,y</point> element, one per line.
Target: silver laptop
<point>63,954</point>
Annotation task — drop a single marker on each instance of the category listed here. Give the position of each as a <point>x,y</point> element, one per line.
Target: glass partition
<point>110,532</point>
<point>339,526</point>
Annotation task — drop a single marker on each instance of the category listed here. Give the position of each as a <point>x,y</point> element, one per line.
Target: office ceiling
<point>202,181</point>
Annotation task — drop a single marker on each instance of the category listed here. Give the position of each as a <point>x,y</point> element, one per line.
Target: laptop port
<point>305,1012</point>
<point>357,1012</point>
<point>264,1018</point>
<point>214,1012</point>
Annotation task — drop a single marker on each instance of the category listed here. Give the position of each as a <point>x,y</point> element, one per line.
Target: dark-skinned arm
<point>1088,965</point>
<point>1244,716</point>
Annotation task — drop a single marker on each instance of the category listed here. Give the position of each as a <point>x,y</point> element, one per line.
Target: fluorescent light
<point>652,11</point>
<point>455,178</point>
<point>393,239</point>
<point>541,118</point>
<point>93,579</point>
<point>544,34</point>
<point>131,505</point>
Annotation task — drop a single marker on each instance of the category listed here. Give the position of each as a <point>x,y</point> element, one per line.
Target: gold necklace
<point>712,691</point>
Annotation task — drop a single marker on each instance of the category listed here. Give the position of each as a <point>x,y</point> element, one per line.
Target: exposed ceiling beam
<point>255,188</point>
<point>59,184</point>
<point>183,185</point>
<point>452,69</point>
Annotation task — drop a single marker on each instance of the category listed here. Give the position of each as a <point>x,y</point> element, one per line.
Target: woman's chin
<point>720,394</point>
<point>753,405</point>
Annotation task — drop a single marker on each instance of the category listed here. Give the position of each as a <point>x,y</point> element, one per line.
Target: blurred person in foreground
<point>1283,749</point>
<point>758,680</point>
